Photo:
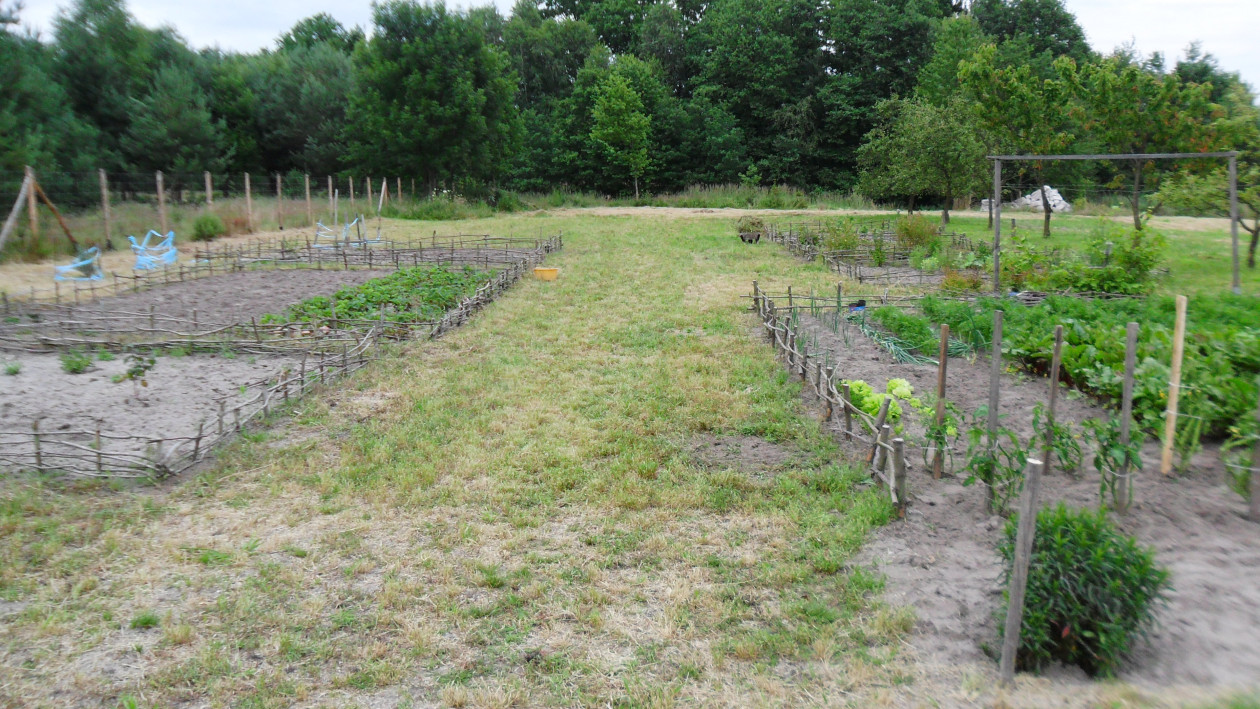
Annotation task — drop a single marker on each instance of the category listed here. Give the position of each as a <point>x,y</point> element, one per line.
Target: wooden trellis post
<point>104,202</point>
<point>161,195</point>
<point>209,188</point>
<point>249,204</point>
<point>280,200</point>
<point>32,212</point>
<point>1174,387</point>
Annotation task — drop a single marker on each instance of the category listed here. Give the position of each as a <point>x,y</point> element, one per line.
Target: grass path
<point>510,515</point>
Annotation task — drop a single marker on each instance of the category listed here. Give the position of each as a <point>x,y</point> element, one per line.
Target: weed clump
<point>75,361</point>
<point>1092,591</point>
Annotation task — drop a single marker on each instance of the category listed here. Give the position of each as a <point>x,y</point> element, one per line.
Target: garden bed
<point>942,558</point>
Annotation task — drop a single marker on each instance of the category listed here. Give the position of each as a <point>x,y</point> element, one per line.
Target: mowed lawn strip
<point>509,515</point>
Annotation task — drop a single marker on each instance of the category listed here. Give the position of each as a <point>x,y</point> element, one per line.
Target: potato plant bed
<point>942,557</point>
<point>205,385</point>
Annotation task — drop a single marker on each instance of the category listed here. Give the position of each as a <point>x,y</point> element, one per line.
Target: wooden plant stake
<point>1174,387</point>
<point>938,456</point>
<point>880,418</point>
<point>1056,361</point>
<point>1019,575</point>
<point>995,385</point>
<point>1124,488</point>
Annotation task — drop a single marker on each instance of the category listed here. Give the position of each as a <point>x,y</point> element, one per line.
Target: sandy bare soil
<point>181,393</point>
<point>942,559</point>
<point>228,298</point>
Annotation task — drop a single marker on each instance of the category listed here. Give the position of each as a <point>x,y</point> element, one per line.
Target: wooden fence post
<point>995,386</point>
<point>209,188</point>
<point>1019,575</point>
<point>1124,488</point>
<point>899,476</point>
<point>350,181</point>
<point>880,418</point>
<point>32,211</point>
<point>104,201</point>
<point>280,200</point>
<point>368,181</point>
<point>249,204</point>
<point>332,205</point>
<point>161,195</point>
<point>938,457</point>
<point>1056,361</point>
<point>310,210</point>
<point>1174,387</point>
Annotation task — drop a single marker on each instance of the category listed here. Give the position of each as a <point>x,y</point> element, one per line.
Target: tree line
<point>900,99</point>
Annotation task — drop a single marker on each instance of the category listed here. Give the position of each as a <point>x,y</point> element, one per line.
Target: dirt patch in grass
<point>749,454</point>
<point>942,559</point>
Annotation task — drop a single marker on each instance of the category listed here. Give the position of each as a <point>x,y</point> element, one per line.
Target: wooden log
<point>1056,362</point>
<point>1174,388</point>
<point>161,197</point>
<point>938,456</point>
<point>1026,529</point>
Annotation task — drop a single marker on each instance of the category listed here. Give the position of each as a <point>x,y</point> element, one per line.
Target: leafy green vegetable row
<point>1222,355</point>
<point>408,295</point>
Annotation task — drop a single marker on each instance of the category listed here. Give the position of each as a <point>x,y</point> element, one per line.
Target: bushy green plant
<point>1000,466</point>
<point>74,361</point>
<point>13,369</point>
<point>1111,457</point>
<point>841,236</point>
<point>1092,591</point>
<point>916,230</point>
<point>208,227</point>
<point>750,225</point>
<point>1065,446</point>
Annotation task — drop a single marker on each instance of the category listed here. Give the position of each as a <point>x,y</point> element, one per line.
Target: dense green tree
<point>234,106</point>
<point>432,97</point>
<point>763,63</point>
<point>1128,108</point>
<point>617,22</point>
<point>171,127</point>
<point>954,40</point>
<point>300,109</point>
<point>620,127</point>
<point>1042,26</point>
<point>865,67</point>
<point>1025,113</point>
<point>320,30</point>
<point>546,53</point>
<point>663,39</point>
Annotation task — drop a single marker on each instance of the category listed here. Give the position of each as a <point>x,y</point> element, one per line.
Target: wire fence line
<point>328,350</point>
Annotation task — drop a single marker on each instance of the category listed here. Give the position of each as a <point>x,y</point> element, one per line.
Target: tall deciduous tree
<point>1044,26</point>
<point>620,127</point>
<point>921,148</point>
<point>1128,108</point>
<point>1028,114</point>
<point>432,97</point>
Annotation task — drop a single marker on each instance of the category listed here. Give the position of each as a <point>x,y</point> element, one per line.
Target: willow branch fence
<point>327,353</point>
<point>218,259</point>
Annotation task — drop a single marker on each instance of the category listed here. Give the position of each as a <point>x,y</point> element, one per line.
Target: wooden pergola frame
<point>1232,155</point>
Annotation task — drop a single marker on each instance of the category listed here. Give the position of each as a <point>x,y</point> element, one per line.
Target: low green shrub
<point>750,225</point>
<point>208,227</point>
<point>1092,591</point>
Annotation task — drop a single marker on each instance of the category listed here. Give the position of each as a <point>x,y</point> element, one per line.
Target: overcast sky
<point>1226,27</point>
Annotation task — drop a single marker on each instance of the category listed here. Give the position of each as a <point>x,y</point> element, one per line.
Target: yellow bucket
<point>546,274</point>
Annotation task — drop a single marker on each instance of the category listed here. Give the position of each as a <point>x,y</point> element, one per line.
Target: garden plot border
<point>324,358</point>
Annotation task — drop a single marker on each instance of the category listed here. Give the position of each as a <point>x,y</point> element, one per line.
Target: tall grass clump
<point>1092,592</point>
